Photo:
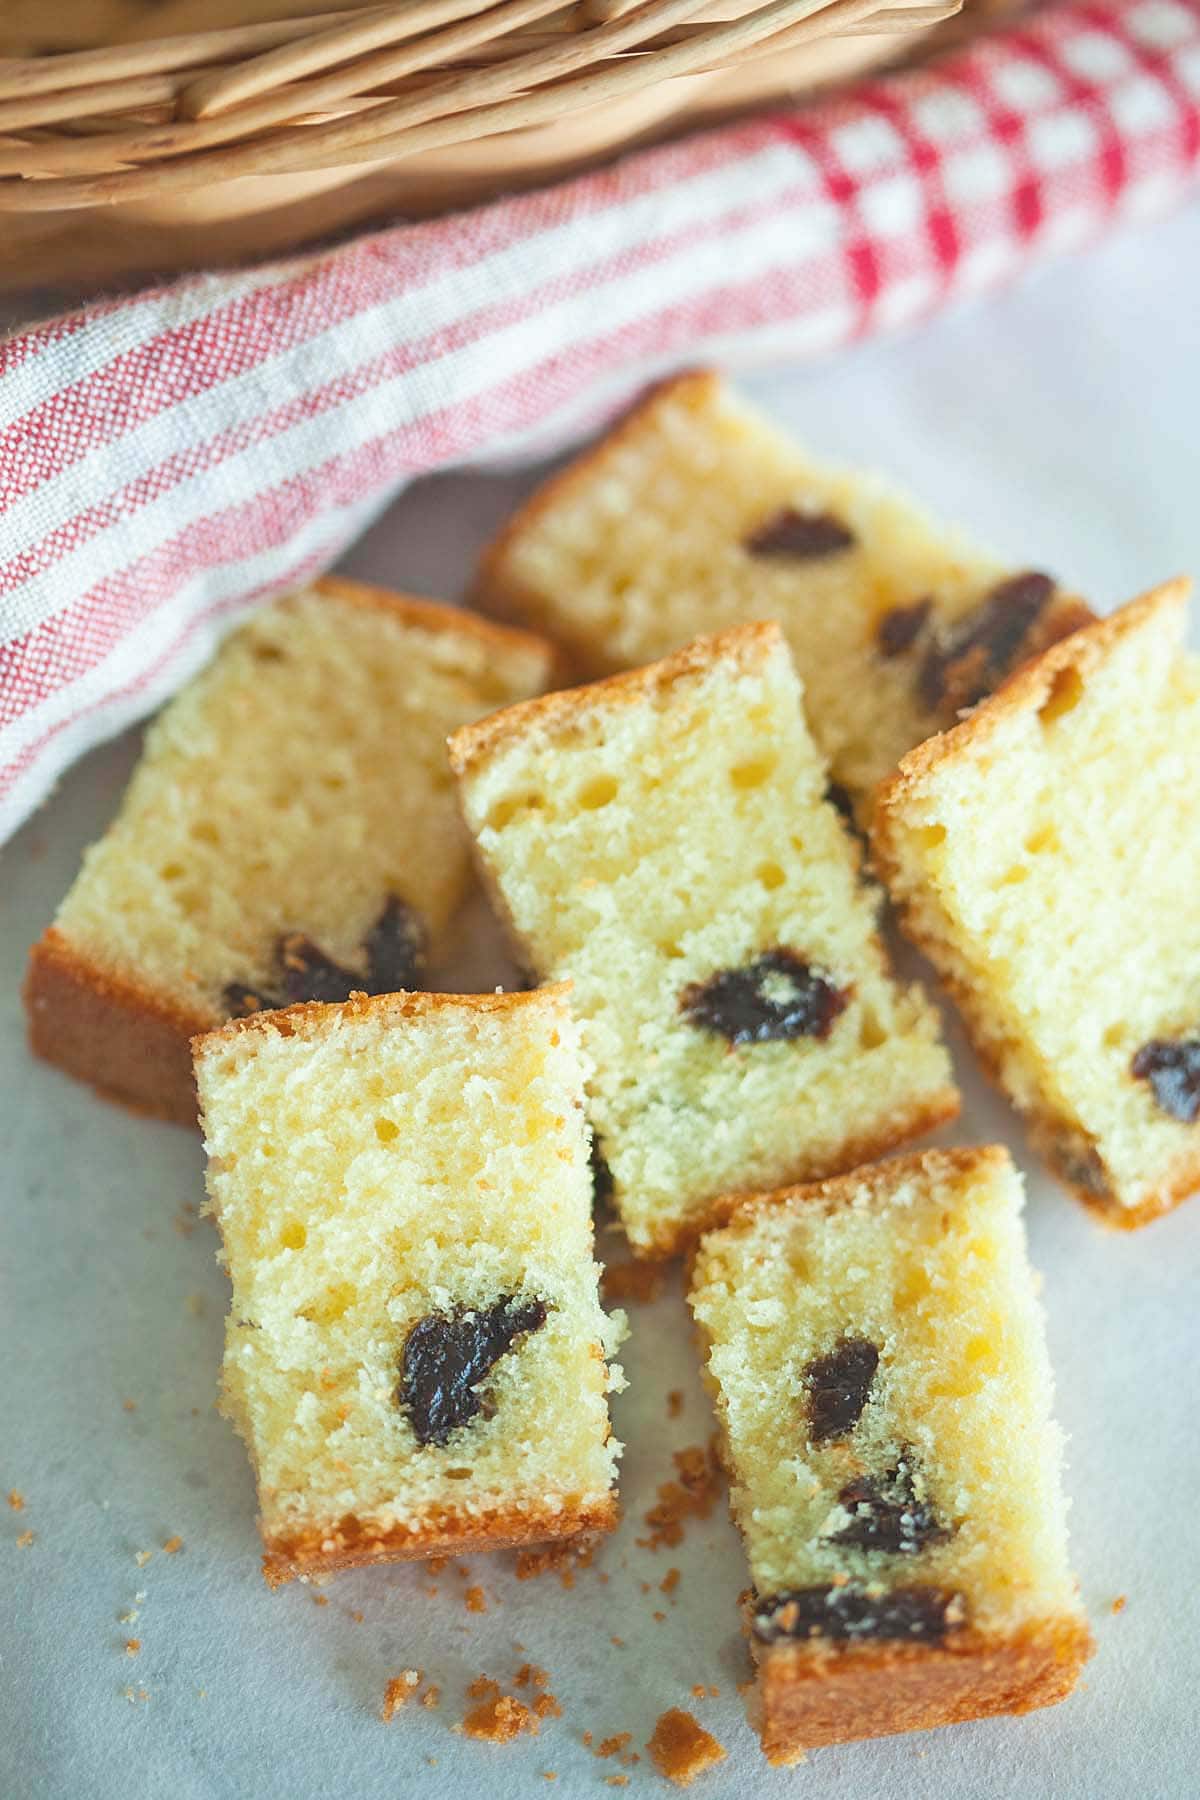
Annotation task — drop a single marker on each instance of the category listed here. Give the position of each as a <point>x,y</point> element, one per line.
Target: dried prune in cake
<point>395,948</point>
<point>918,1613</point>
<point>899,629</point>
<point>1172,1067</point>
<point>308,974</point>
<point>448,1355</point>
<point>799,536</point>
<point>964,664</point>
<point>886,1514</point>
<point>839,1386</point>
<point>778,995</point>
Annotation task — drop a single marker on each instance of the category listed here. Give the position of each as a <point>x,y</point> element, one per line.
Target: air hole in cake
<point>598,792</point>
<point>294,1235</point>
<point>871,1033</point>
<point>917,1613</point>
<point>1045,839</point>
<point>754,773</point>
<point>447,1356</point>
<point>333,1304</point>
<point>386,1131</point>
<point>172,871</point>
<point>1015,876</point>
<point>798,536</point>
<point>1172,1068</point>
<point>204,832</point>
<point>776,996</point>
<point>505,811</point>
<point>770,875</point>
<point>839,1386</point>
<point>1066,691</point>
<point>931,836</point>
<point>1116,1036</point>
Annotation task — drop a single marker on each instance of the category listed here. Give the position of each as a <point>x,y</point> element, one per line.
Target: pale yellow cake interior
<point>371,1168</point>
<point>295,785</point>
<point>1049,862</point>
<point>642,546</point>
<point>648,833</point>
<point>926,1260</point>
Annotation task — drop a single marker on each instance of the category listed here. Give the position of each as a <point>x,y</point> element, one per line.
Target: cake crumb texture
<point>410,1171</point>
<point>1045,857</point>
<point>876,1351</point>
<point>663,839</point>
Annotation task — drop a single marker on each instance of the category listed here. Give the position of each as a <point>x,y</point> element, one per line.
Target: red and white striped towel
<point>168,460</point>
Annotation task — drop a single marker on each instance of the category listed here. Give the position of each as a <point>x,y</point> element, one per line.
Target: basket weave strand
<point>379,84</point>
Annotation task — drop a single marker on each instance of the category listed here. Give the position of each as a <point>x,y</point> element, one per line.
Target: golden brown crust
<point>1027,690</point>
<point>497,590</point>
<point>290,1021</point>
<point>439,616</point>
<point>872,1179</point>
<point>748,645</point>
<point>345,1544</point>
<point>129,1043</point>
<point>815,1693</point>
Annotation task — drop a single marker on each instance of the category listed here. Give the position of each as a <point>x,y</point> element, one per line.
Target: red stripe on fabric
<point>1093,98</point>
<point>1160,63</point>
<point>181,362</point>
<point>859,253</point>
<point>925,161</point>
<point>118,509</point>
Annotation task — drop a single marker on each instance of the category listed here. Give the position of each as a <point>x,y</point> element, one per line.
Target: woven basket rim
<point>162,117</point>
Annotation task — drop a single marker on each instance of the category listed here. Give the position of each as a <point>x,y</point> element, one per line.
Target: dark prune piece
<point>395,949</point>
<point>241,1002</point>
<point>899,629</point>
<point>838,1388</point>
<point>800,536</point>
<point>778,995</point>
<point>917,1614</point>
<point>1172,1067</point>
<point>974,655</point>
<point>447,1355</point>
<point>308,974</point>
<point>887,1515</point>
<point>1079,1163</point>
<point>603,1186</point>
<point>839,798</point>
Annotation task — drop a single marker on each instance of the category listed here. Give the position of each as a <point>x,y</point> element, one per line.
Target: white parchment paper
<point>1061,424</point>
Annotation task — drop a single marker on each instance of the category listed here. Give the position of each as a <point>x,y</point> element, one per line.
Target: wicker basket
<point>241,139</point>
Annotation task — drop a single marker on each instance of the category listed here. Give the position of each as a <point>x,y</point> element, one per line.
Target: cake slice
<point>1047,859</point>
<point>663,839</point>
<point>874,1346</point>
<point>696,513</point>
<point>415,1354</point>
<point>289,834</point>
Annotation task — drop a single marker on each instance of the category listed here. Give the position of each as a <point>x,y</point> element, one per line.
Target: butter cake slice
<point>663,840</point>
<point>1045,856</point>
<point>416,1354</point>
<point>875,1349</point>
<point>290,833</point>
<point>696,513</point>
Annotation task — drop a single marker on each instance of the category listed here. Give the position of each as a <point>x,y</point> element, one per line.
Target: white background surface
<point>1059,422</point>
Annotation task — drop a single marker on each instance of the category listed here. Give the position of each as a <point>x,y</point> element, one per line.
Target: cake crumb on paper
<point>669,1582</point>
<point>26,1540</point>
<point>399,1691</point>
<point>431,1697</point>
<point>142,1557</point>
<point>475,1600</point>
<point>501,1720</point>
<point>16,1499</point>
<point>674,1403</point>
<point>132,1646</point>
<point>691,1496</point>
<point>681,1748</point>
<point>172,1545</point>
<point>529,1675</point>
<point>1120,1603</point>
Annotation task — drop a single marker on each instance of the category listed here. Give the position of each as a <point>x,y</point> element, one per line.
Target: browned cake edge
<point>131,1042</point>
<point>814,1693</point>
<point>1030,687</point>
<point>496,590</point>
<point>126,1041</point>
<point>346,1544</point>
